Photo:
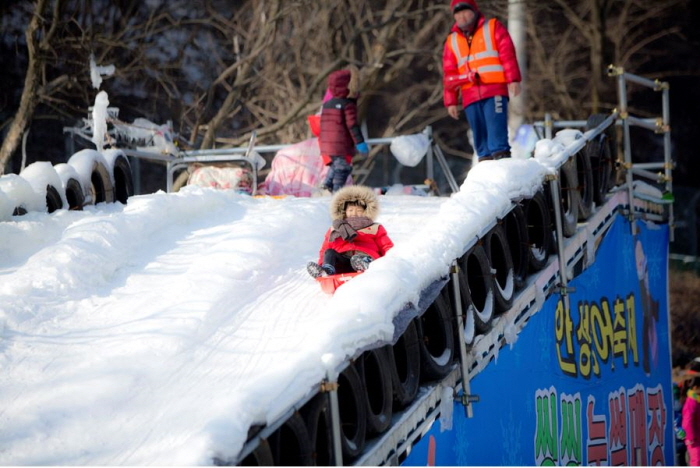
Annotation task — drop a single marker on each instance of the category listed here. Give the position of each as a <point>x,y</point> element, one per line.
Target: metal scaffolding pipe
<point>627,150</point>
<point>654,125</point>
<point>639,80</point>
<point>658,165</point>
<point>655,176</point>
<point>558,225</point>
<point>666,116</point>
<point>332,388</point>
<point>462,345</point>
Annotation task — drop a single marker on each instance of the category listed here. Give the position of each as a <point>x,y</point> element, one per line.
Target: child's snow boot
<point>317,270</point>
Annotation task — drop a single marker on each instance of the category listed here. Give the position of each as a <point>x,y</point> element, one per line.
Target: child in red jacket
<point>354,239</point>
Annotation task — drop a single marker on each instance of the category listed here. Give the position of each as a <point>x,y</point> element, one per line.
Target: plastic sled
<point>330,283</point>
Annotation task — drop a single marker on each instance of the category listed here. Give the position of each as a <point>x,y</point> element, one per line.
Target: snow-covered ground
<point>157,332</point>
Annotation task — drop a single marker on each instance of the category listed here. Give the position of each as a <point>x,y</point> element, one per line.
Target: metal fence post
<point>331,387</point>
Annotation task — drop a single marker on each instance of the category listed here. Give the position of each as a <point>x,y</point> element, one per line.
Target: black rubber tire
<point>478,296</point>
<point>101,184</point>
<point>379,393</point>
<point>516,234</point>
<point>53,199</point>
<point>600,151</point>
<point>101,188</point>
<point>353,413</point>
<point>261,456</point>
<point>539,231</point>
<point>569,197</point>
<point>317,416</point>
<point>290,443</point>
<point>123,179</point>
<point>437,344</point>
<point>404,357</point>
<point>585,185</point>
<point>501,261</point>
<point>74,194</point>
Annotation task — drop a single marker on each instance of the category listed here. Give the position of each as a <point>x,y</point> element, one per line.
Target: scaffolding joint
<point>660,85</point>
<point>467,399</point>
<point>327,386</point>
<point>615,71</point>
<point>661,127</point>
<point>565,290</point>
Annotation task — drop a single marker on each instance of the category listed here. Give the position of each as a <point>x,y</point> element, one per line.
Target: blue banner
<point>584,385</point>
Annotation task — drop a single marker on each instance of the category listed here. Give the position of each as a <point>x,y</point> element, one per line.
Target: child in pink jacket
<point>691,421</point>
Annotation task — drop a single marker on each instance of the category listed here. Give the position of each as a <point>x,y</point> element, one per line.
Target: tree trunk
<point>29,99</point>
<point>596,55</point>
<point>517,29</point>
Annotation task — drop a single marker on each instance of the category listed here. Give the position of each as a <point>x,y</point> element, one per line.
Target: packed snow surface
<point>159,331</point>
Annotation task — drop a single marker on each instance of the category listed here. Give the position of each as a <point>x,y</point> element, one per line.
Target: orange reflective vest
<point>481,56</point>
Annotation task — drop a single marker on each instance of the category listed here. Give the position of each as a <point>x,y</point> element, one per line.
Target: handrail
<point>244,154</point>
<point>661,125</point>
<point>621,117</point>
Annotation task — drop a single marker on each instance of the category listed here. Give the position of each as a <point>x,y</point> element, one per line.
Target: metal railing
<point>622,118</point>
<point>175,162</point>
<point>660,125</point>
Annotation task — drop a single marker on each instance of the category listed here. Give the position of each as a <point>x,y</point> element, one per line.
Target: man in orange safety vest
<point>479,62</point>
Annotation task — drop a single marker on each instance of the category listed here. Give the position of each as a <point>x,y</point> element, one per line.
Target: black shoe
<point>501,155</point>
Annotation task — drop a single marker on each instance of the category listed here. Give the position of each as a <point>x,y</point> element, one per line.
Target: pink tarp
<point>296,170</point>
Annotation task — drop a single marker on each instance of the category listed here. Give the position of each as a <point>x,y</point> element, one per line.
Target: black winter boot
<point>501,154</point>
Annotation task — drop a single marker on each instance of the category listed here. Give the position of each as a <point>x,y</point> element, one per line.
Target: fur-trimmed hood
<point>354,193</point>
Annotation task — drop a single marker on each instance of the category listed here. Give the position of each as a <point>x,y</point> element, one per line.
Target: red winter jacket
<point>372,240</point>
<point>340,131</point>
<point>506,52</point>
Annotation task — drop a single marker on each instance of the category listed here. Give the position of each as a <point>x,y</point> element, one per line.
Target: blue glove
<point>362,148</point>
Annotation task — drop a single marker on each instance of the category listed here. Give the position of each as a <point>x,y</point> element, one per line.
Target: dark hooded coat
<point>372,240</point>
<point>340,131</point>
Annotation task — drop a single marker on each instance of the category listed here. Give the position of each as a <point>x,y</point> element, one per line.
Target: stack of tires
<point>370,388</point>
<point>89,177</point>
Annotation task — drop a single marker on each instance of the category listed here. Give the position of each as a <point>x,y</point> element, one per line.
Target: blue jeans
<point>338,173</point>
<point>488,119</point>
